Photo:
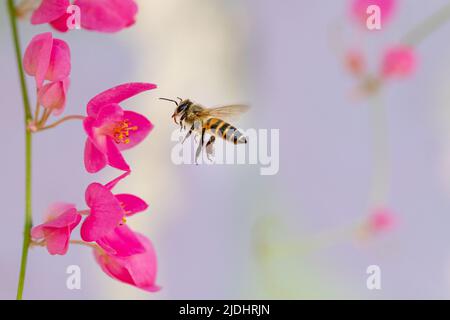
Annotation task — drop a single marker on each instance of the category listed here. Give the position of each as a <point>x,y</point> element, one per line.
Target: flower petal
<point>57,241</point>
<point>37,57</point>
<point>116,95</point>
<point>144,127</point>
<point>109,115</point>
<point>49,10</point>
<point>115,158</point>
<point>105,215</point>
<point>110,185</point>
<point>56,231</point>
<point>138,270</point>
<point>94,159</point>
<point>131,204</point>
<point>143,267</point>
<point>107,15</point>
<point>60,65</point>
<point>121,242</point>
<point>53,96</point>
<point>399,62</point>
<point>60,24</point>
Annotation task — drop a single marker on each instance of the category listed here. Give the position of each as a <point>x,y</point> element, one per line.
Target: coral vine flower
<point>47,58</point>
<point>358,10</point>
<point>111,129</point>
<point>381,219</point>
<point>355,62</point>
<point>97,15</point>
<point>105,223</point>
<point>398,62</point>
<point>138,270</point>
<point>62,218</point>
<point>52,96</point>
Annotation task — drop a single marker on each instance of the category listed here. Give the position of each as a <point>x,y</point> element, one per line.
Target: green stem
<point>380,147</point>
<point>428,26</point>
<point>28,150</point>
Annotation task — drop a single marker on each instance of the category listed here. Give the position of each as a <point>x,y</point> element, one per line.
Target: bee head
<point>182,106</point>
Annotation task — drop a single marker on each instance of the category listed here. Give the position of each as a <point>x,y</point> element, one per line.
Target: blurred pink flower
<point>47,58</point>
<point>52,96</point>
<point>358,10</point>
<point>105,222</point>
<point>138,270</point>
<point>398,62</point>
<point>355,62</point>
<point>97,15</point>
<point>62,219</point>
<point>111,130</point>
<point>381,219</point>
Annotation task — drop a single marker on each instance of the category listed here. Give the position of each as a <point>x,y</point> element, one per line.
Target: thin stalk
<point>28,150</point>
<point>57,123</point>
<point>380,147</point>
<point>428,26</point>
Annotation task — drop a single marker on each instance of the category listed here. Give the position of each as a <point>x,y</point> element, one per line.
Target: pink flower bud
<point>53,96</point>
<point>62,219</point>
<point>398,62</point>
<point>381,219</point>
<point>47,58</point>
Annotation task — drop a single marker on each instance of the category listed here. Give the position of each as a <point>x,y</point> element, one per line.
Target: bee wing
<point>226,112</point>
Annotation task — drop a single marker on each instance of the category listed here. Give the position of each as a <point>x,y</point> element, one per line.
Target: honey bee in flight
<point>201,120</point>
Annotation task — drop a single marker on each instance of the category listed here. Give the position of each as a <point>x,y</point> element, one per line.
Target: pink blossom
<point>47,58</point>
<point>53,96</point>
<point>111,129</point>
<point>105,223</point>
<point>97,15</point>
<point>398,62</point>
<point>381,219</point>
<point>62,219</point>
<point>138,270</point>
<point>358,10</point>
<point>355,62</point>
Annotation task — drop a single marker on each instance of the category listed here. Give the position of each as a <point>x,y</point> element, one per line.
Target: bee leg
<point>210,148</point>
<point>200,146</point>
<point>188,134</point>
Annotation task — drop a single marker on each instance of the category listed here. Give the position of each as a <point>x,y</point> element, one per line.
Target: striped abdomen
<point>222,129</point>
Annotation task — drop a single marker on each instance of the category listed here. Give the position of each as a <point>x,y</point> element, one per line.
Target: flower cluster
<point>398,61</point>
<point>96,15</point>
<point>122,253</point>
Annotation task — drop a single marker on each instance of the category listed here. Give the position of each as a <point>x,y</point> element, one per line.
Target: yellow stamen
<point>121,132</point>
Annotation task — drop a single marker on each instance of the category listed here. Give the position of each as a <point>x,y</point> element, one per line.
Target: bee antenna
<point>166,99</point>
<point>180,99</point>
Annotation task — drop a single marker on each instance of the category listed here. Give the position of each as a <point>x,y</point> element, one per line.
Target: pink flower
<point>355,62</point>
<point>111,129</point>
<point>62,219</point>
<point>381,219</point>
<point>138,270</point>
<point>53,96</point>
<point>105,223</point>
<point>47,58</point>
<point>359,13</point>
<point>398,62</point>
<point>97,15</point>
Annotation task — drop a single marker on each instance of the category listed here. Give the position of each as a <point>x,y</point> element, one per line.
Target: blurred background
<point>225,231</point>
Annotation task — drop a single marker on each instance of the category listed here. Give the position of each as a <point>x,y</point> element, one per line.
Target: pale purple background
<point>203,219</point>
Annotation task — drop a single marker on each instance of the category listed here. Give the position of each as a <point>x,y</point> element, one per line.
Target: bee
<point>201,120</point>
